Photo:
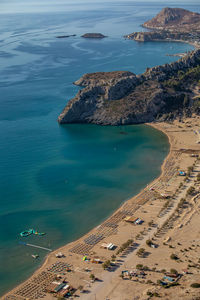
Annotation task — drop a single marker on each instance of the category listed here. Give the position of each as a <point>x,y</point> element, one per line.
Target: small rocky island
<point>161,93</point>
<point>65,36</point>
<point>93,36</point>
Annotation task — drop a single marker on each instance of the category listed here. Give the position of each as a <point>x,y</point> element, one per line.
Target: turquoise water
<point>64,180</point>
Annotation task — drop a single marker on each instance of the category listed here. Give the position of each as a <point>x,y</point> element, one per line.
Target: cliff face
<point>99,87</point>
<point>166,71</point>
<point>115,98</point>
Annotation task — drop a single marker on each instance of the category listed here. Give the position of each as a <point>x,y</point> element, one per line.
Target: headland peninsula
<point>149,247</point>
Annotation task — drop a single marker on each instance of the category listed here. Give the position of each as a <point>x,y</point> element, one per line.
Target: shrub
<point>140,252</point>
<point>149,243</point>
<point>173,271</point>
<point>155,294</point>
<point>195,285</point>
<point>191,191</point>
<point>106,264</point>
<point>173,256</point>
<point>92,276</point>
<point>113,257</point>
<point>181,203</point>
<point>158,281</point>
<point>151,222</point>
<point>149,281</point>
<point>190,169</point>
<point>139,267</point>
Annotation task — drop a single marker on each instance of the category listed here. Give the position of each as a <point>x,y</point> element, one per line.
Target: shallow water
<point>64,180</point>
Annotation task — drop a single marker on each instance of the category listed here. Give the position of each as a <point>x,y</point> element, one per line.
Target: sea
<point>64,180</point>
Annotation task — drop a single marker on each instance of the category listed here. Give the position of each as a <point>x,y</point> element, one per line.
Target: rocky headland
<point>115,98</point>
<point>160,93</point>
<point>171,24</point>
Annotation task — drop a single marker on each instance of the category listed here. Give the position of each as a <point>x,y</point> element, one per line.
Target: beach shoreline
<point>65,249</point>
<point>47,258</point>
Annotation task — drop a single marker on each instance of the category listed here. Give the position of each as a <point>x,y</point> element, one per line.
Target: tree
<point>141,252</point>
<point>113,257</point>
<point>173,271</point>
<point>173,256</point>
<point>149,243</point>
<point>106,264</point>
<point>92,276</point>
<point>191,191</point>
<point>150,223</point>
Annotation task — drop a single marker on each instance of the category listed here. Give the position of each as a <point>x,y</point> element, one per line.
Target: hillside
<point>176,19</point>
<point>115,98</point>
<point>161,93</point>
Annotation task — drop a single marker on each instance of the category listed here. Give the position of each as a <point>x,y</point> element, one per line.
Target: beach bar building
<point>108,246</point>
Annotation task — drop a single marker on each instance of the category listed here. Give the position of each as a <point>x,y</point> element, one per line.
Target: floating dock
<point>35,246</point>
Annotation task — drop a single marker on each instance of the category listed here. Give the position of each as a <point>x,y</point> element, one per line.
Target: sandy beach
<point>171,225</point>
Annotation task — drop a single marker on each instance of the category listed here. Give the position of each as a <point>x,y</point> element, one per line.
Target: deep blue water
<point>64,180</point>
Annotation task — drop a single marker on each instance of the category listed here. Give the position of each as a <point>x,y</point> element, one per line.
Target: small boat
<point>26,232</point>
<point>35,256</point>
